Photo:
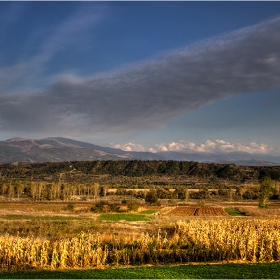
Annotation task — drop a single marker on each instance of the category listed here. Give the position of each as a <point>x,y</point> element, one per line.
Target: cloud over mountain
<point>147,94</point>
<point>129,147</point>
<point>217,146</point>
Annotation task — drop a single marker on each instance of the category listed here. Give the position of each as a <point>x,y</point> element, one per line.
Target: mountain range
<point>58,149</point>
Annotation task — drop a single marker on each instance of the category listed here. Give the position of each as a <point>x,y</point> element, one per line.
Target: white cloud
<point>152,150</point>
<point>129,147</point>
<point>181,145</point>
<point>217,146</point>
<point>254,148</point>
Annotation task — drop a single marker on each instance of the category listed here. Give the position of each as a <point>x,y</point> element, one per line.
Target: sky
<point>143,76</point>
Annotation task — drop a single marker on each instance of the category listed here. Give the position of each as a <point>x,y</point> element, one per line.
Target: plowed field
<point>197,211</point>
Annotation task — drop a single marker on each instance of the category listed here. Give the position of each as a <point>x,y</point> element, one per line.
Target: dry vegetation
<point>53,221</point>
<point>50,236</point>
<point>257,212</point>
<point>184,241</point>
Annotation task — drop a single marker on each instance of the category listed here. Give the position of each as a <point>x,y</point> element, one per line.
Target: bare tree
<point>96,188</point>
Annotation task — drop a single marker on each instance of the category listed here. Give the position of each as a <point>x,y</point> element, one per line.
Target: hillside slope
<point>61,149</point>
<point>58,149</point>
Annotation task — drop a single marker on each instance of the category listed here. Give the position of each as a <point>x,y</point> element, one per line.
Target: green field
<point>234,212</point>
<point>148,212</point>
<point>216,271</point>
<point>124,217</point>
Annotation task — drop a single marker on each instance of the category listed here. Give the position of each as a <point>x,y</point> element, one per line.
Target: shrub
<point>133,206</point>
<point>70,206</point>
<point>151,197</point>
<point>100,207</point>
<point>249,194</point>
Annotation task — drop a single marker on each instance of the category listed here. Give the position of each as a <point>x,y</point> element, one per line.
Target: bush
<point>100,207</point>
<point>103,207</point>
<point>222,192</point>
<point>70,206</point>
<point>250,195</point>
<point>133,206</point>
<point>124,201</point>
<point>151,197</point>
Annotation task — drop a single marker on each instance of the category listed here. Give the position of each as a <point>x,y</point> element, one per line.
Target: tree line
<point>63,191</point>
<point>139,168</point>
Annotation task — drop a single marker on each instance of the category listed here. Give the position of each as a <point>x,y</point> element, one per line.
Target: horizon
<point>187,152</point>
<point>143,76</point>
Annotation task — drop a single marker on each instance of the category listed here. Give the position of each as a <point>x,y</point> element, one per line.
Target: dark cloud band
<point>148,94</point>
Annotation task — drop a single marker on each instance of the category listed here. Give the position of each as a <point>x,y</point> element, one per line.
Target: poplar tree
<point>265,191</point>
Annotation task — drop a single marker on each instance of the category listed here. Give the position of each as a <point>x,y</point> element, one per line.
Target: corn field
<point>181,242</point>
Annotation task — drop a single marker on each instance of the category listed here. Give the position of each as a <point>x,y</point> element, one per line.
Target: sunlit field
<point>181,242</point>
<point>57,237</point>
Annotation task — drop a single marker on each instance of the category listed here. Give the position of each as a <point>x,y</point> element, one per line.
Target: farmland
<point>197,211</point>
<point>109,222</point>
<point>41,238</point>
<point>183,241</point>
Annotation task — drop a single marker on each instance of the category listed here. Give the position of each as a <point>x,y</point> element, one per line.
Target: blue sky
<point>158,76</point>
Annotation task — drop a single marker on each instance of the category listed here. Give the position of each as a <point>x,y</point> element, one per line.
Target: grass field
<point>234,212</point>
<point>213,271</point>
<point>148,212</point>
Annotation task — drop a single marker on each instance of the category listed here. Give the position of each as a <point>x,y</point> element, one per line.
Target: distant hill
<point>58,149</point>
